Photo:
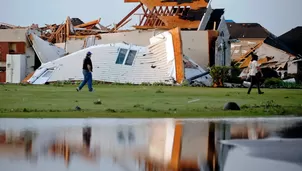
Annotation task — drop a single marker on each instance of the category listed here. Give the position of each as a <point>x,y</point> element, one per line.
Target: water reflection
<point>151,145</point>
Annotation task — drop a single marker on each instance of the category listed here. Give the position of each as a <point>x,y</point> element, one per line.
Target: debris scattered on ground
<point>78,108</point>
<point>192,101</point>
<point>98,102</point>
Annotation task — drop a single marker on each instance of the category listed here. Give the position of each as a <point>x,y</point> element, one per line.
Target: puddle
<point>155,144</point>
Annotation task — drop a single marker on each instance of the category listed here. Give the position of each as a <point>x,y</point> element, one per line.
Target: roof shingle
<point>247,30</point>
<point>293,39</point>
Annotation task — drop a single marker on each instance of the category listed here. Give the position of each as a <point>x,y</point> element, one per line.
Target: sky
<point>278,16</point>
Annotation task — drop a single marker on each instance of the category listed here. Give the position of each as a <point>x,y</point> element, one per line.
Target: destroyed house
<point>161,61</point>
<point>248,38</point>
<point>254,32</point>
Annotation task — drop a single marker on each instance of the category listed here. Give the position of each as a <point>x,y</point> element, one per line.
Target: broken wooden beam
<point>127,16</point>
<point>89,24</point>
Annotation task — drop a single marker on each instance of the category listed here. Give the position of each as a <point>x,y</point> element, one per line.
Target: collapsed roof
<point>167,14</point>
<point>72,28</point>
<point>261,38</point>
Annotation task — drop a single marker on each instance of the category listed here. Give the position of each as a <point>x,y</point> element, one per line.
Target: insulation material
<point>46,51</point>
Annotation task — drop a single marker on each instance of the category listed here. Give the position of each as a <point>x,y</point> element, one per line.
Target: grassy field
<point>49,101</point>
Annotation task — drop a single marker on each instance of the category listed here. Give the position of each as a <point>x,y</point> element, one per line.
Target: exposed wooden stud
<point>127,16</point>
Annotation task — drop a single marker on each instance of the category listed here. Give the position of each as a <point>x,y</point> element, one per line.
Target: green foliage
<point>146,84</point>
<point>159,91</point>
<point>233,76</point>
<point>272,82</point>
<point>278,83</point>
<point>290,85</point>
<point>159,84</point>
<point>219,74</point>
<point>185,83</point>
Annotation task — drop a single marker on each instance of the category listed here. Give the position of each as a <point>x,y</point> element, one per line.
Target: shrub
<point>233,76</point>
<point>272,82</point>
<point>219,74</point>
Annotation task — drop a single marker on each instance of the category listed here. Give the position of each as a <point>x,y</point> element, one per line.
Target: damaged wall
<point>271,57</point>
<point>279,56</point>
<point>195,43</point>
<point>130,37</point>
<point>148,64</point>
<point>196,46</point>
<point>19,35</point>
<point>243,46</point>
<point>45,51</point>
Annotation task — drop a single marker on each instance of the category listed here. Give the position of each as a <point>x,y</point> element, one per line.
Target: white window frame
<point>126,56</point>
<point>118,56</point>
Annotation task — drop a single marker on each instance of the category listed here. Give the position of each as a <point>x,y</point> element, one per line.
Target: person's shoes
<point>77,89</point>
<point>91,90</point>
<point>261,93</point>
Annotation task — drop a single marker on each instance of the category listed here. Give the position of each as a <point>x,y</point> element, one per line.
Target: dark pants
<point>254,80</point>
<point>87,79</point>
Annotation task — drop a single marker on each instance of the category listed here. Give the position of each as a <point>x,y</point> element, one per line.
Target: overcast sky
<point>278,16</point>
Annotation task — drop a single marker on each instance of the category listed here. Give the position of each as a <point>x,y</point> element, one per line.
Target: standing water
<point>151,144</point>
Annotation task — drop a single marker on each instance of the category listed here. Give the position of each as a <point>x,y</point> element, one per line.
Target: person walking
<point>254,71</point>
<point>87,73</point>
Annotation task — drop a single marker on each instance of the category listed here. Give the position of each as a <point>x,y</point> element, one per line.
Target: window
<point>125,53</point>
<point>130,57</point>
<point>121,56</point>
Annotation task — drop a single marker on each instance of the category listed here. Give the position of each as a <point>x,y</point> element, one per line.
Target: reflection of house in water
<point>156,145</point>
<point>182,146</point>
<point>93,143</point>
<point>195,145</point>
<point>167,145</point>
<point>16,144</point>
<point>248,132</point>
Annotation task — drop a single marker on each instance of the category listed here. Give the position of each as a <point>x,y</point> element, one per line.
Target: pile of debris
<point>274,55</point>
<point>72,28</point>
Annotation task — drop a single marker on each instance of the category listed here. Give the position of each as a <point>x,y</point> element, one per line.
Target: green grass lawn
<point>49,101</point>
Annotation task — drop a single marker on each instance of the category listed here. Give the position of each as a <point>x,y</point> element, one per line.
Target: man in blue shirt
<point>87,72</point>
